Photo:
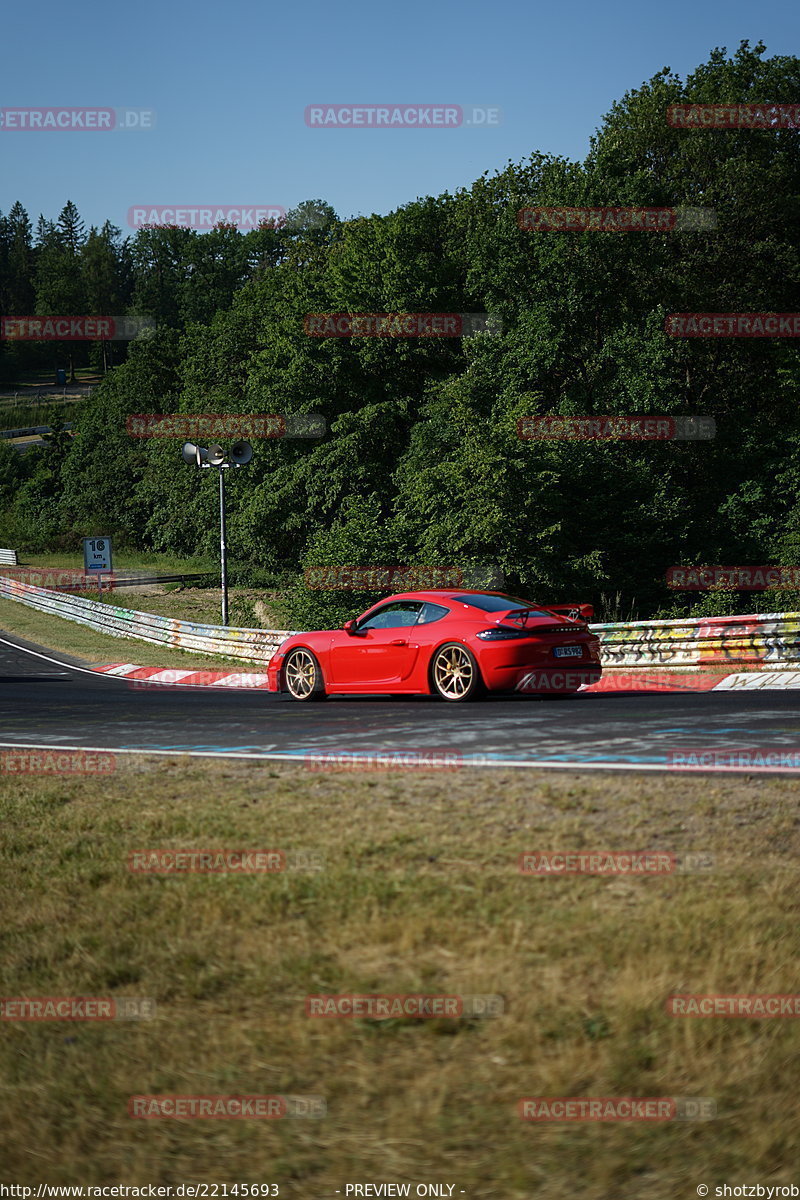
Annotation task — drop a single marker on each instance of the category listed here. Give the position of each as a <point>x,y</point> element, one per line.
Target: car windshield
<point>496,603</point>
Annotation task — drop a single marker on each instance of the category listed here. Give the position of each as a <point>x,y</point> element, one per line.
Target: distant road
<point>32,395</point>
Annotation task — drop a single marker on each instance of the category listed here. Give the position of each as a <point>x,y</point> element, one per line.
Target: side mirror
<point>349,627</point>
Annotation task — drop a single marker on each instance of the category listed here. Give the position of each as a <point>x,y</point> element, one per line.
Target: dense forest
<point>422,462</point>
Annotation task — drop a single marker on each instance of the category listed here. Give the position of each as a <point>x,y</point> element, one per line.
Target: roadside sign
<point>96,554</point>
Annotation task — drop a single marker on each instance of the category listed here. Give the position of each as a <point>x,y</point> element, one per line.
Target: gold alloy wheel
<point>301,674</point>
<point>453,672</point>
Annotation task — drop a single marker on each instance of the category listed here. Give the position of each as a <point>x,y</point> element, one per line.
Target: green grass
<point>419,892</point>
<point>249,608</point>
<point>23,416</point>
<point>125,560</point>
<point>44,378</point>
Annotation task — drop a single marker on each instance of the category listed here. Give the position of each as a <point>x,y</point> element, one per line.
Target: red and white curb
<point>612,681</point>
<point>177,678</point>
<point>756,680</point>
<point>670,681</point>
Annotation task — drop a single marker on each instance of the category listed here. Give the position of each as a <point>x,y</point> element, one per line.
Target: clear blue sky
<point>230,82</point>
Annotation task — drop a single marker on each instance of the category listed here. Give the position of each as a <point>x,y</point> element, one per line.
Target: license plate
<point>568,652</point>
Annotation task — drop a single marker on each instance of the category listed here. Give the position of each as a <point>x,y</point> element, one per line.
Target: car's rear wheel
<point>454,673</point>
<point>302,675</point>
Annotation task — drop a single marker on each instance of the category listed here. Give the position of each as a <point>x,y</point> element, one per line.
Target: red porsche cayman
<point>447,643</point>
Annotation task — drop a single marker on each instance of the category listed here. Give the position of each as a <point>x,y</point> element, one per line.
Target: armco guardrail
<point>8,558</point>
<point>251,645</point>
<point>129,581</point>
<point>764,641</point>
<point>66,580</point>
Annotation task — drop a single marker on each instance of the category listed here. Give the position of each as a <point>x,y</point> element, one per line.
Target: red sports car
<point>448,643</point>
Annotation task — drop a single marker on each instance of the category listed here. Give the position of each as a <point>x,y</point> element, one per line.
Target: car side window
<point>431,612</point>
<point>393,616</point>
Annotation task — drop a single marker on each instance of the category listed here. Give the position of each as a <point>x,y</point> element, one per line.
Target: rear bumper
<point>532,666</point>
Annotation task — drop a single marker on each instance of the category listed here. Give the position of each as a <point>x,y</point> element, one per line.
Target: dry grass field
<point>417,890</point>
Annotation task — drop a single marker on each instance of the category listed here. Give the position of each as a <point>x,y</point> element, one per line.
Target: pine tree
<point>60,287</point>
<point>71,228</point>
<point>19,299</point>
<point>45,232</point>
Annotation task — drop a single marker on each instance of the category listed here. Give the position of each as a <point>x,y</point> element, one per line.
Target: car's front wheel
<point>454,673</point>
<point>302,676</point>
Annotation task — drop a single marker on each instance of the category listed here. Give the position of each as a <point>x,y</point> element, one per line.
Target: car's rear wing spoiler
<point>576,612</point>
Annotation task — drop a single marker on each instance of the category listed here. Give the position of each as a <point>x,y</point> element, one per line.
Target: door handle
<point>399,642</point>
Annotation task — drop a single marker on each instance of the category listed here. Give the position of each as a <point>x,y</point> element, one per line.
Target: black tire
<point>454,674</point>
<point>302,675</point>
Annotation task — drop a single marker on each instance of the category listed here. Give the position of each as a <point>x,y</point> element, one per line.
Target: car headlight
<point>503,634</point>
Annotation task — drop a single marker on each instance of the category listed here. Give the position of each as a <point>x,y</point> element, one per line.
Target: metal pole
<point>223,547</point>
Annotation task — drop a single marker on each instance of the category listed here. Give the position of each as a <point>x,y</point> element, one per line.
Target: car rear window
<point>490,603</point>
<point>431,612</point>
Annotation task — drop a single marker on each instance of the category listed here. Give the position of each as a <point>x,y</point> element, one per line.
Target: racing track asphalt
<point>55,704</point>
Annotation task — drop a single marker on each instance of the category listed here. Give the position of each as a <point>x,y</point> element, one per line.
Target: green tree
<point>17,294</point>
<point>215,268</point>
<point>101,479</point>
<point>106,279</point>
<point>60,286</point>
<point>160,258</point>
